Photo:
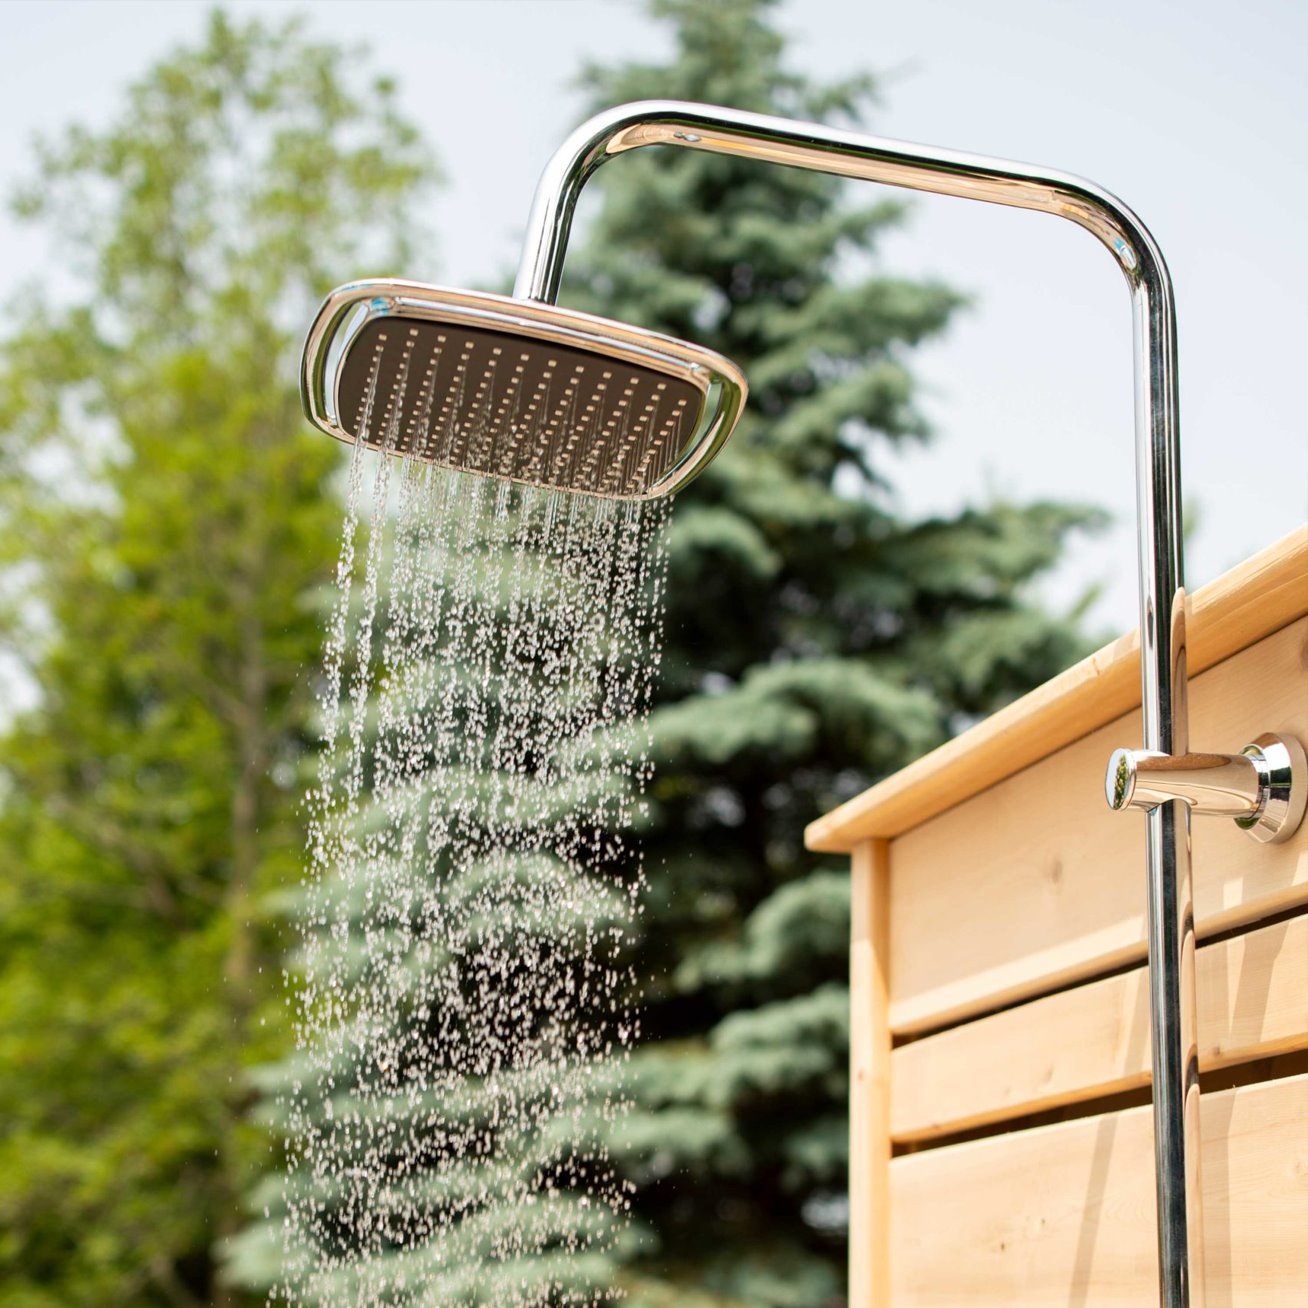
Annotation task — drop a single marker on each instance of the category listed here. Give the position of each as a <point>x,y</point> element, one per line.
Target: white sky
<point>1194,112</point>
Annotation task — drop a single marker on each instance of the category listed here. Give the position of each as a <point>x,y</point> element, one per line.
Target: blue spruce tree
<point>816,641</point>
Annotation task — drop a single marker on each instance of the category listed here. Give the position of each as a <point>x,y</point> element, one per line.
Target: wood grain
<point>869,1082</point>
<point>1241,607</point>
<point>1035,884</point>
<point>1063,1216</point>
<point>1093,1041</point>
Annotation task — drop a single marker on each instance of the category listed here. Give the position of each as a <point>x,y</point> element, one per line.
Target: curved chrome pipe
<point>1158,519</point>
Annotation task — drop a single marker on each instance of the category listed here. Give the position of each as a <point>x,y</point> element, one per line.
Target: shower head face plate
<point>516,389</point>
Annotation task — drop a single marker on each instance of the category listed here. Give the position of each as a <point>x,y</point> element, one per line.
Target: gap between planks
<point>1093,1041</point>
<point>1064,1215</point>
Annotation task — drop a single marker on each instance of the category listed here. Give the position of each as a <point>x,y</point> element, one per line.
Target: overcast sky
<point>1194,112</point>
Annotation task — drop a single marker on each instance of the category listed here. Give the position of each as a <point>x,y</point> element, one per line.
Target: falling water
<point>473,887</point>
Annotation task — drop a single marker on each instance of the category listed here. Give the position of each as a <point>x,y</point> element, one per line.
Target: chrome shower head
<point>516,389</point>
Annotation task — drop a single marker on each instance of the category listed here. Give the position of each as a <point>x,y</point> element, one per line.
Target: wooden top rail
<point>1242,606</point>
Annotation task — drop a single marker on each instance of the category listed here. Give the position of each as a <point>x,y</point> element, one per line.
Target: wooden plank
<point>1036,884</point>
<point>1094,1040</point>
<point>1241,607</point>
<point>869,1080</point>
<point>1063,1216</point>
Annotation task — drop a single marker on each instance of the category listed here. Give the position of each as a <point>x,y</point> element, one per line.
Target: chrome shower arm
<point>1158,518</point>
<point>818,148</point>
<point>812,146</point>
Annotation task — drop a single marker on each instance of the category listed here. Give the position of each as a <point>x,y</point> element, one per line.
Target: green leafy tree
<point>164,518</point>
<point>816,641</point>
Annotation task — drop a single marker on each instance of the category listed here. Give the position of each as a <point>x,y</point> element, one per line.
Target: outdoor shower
<point>521,389</point>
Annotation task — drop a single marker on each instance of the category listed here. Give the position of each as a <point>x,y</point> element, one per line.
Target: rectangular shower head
<point>517,389</point>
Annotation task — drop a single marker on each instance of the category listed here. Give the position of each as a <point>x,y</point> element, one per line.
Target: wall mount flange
<point>1263,788</point>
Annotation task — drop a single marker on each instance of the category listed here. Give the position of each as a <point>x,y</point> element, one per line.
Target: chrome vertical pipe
<point>1173,1002</point>
<point>1158,498</point>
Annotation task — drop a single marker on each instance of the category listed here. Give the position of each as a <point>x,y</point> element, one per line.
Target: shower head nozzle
<point>516,389</point>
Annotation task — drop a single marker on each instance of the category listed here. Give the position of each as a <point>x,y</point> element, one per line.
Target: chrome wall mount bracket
<point>1263,788</point>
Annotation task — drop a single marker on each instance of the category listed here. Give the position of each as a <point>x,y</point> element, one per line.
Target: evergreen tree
<point>816,642</point>
<point>163,515</point>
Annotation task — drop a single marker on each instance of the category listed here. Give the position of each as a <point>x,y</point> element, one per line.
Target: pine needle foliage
<point>817,640</point>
